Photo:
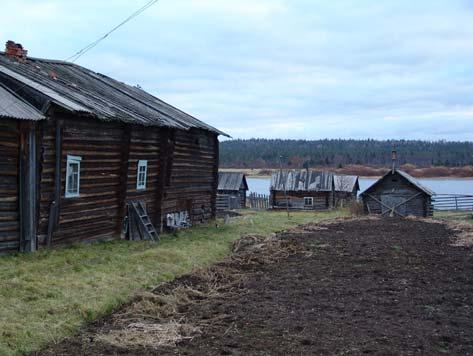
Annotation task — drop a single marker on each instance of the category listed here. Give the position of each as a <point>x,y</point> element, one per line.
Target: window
<point>73,176</point>
<point>308,201</point>
<point>141,175</point>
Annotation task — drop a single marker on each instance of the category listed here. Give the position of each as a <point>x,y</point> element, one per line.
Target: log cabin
<point>398,194</point>
<point>76,147</point>
<point>346,188</point>
<point>303,189</point>
<point>231,191</point>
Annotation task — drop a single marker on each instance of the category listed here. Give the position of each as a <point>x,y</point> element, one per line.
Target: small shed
<point>398,194</point>
<point>232,188</point>
<point>346,189</point>
<point>304,190</point>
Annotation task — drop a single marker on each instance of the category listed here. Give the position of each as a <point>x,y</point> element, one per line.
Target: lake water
<point>438,185</point>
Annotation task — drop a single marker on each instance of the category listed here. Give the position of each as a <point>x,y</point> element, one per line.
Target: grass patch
<point>48,295</point>
<point>461,216</point>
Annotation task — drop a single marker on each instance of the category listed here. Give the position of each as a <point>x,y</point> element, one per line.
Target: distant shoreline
<point>464,173</point>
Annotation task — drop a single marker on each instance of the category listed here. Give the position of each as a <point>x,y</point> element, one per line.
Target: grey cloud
<point>300,68</point>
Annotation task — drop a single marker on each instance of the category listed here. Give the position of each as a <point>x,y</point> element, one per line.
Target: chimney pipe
<point>394,159</point>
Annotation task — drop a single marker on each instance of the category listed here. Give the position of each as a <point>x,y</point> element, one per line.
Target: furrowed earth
<point>362,286</point>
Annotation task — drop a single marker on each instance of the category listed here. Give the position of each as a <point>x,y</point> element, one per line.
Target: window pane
<point>141,174</point>
<point>72,179</point>
<point>69,183</point>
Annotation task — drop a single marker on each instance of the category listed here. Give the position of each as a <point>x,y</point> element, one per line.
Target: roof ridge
<point>46,60</point>
<point>82,89</point>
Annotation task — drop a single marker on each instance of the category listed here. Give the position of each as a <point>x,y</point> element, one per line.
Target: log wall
<point>193,180</point>
<point>181,176</point>
<point>321,200</point>
<point>9,186</point>
<point>145,145</point>
<point>94,214</point>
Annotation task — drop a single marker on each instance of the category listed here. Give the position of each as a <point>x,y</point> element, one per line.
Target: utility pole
<point>284,186</point>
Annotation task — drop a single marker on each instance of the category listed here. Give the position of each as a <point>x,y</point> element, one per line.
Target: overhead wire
<point>81,52</point>
<point>91,45</point>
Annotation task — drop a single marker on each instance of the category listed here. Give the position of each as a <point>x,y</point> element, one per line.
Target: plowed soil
<point>369,286</point>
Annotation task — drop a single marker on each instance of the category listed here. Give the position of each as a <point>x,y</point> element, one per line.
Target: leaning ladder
<point>139,220</point>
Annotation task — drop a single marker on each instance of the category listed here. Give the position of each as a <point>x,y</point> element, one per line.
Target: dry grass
<point>257,249</point>
<point>150,335</point>
<point>461,223</point>
<point>463,233</point>
<point>356,208</point>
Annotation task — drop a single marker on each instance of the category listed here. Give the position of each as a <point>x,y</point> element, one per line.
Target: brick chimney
<point>15,50</point>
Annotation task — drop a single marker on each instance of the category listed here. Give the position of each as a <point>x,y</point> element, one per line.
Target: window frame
<point>311,201</point>
<point>141,163</point>
<point>72,160</point>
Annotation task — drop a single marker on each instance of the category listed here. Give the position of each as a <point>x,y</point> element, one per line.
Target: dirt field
<point>353,287</point>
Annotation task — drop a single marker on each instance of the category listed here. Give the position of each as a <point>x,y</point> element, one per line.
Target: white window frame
<point>71,160</point>
<point>311,201</point>
<point>141,164</point>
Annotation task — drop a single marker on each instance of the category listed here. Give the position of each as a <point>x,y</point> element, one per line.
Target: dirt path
<point>347,288</point>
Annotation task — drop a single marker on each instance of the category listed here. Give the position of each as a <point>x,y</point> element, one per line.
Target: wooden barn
<point>346,188</point>
<point>77,147</point>
<point>231,191</point>
<point>398,194</point>
<point>304,190</point>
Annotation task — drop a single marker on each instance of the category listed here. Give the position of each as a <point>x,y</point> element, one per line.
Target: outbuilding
<point>302,190</point>
<point>232,188</point>
<point>346,188</point>
<point>78,147</point>
<point>398,194</point>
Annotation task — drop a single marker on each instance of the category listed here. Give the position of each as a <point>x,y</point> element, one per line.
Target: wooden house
<point>398,194</point>
<point>76,147</point>
<point>346,188</point>
<point>232,188</point>
<point>303,189</point>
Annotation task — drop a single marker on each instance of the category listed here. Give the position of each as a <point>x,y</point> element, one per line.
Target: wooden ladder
<point>140,219</point>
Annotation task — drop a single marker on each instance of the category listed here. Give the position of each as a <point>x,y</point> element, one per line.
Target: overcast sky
<point>272,68</point>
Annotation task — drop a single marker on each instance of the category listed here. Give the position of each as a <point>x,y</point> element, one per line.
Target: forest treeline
<point>265,153</point>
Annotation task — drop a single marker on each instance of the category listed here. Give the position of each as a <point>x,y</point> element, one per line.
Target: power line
<point>91,45</point>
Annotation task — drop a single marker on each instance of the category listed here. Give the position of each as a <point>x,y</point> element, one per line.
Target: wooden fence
<point>258,201</point>
<point>452,202</point>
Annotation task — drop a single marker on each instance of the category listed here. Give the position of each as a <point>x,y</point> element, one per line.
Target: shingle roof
<point>345,183</point>
<point>300,181</point>
<point>405,175</point>
<point>231,181</point>
<point>11,106</point>
<point>415,182</point>
<point>81,90</point>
